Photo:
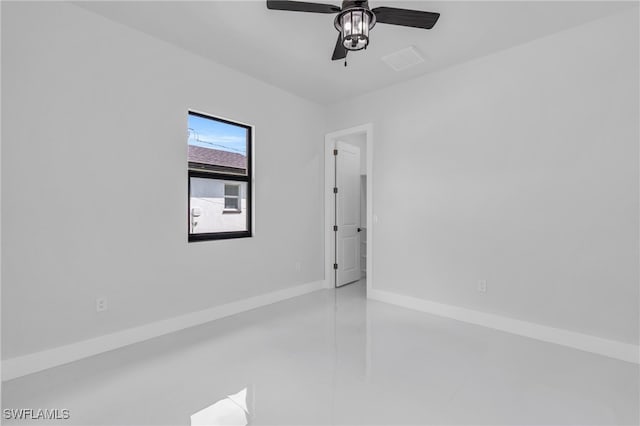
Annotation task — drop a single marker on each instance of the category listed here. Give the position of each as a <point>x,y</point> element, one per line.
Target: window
<point>219,163</point>
<point>232,198</point>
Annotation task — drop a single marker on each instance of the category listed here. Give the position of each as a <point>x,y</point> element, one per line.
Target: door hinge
<point>335,152</point>
<point>335,266</point>
<point>335,228</point>
<point>335,189</point>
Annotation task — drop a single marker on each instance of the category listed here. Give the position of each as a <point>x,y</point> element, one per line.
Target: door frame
<point>329,249</point>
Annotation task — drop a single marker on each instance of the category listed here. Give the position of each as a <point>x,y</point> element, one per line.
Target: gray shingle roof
<point>216,157</point>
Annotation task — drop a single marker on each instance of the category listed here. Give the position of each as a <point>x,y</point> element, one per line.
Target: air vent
<point>403,59</point>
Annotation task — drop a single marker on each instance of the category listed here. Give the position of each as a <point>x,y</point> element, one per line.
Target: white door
<point>347,213</point>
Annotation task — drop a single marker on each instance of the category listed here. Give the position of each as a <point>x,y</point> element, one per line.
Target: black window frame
<point>228,176</point>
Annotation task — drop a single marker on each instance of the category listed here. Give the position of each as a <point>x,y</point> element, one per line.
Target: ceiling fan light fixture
<point>354,25</point>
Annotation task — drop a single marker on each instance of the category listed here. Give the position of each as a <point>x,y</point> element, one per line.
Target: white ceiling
<point>292,50</point>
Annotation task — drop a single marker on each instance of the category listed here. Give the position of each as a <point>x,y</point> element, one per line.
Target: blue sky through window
<point>213,134</point>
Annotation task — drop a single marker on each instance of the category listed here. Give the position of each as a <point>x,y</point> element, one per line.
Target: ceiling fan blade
<point>301,6</point>
<point>406,17</point>
<point>339,52</point>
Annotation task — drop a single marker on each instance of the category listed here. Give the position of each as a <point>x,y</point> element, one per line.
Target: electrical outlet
<point>482,286</point>
<point>101,304</point>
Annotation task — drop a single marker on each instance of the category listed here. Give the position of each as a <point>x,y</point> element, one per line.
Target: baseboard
<point>585,342</point>
<point>32,363</point>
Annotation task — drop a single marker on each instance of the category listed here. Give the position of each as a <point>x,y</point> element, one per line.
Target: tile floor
<point>334,358</point>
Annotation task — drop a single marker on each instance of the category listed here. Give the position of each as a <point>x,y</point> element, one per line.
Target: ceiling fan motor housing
<point>354,22</point>
<point>361,4</point>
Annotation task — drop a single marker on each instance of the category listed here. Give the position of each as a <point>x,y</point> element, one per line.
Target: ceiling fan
<point>355,19</point>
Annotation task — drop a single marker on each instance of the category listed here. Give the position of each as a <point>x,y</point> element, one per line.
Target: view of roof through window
<point>215,144</point>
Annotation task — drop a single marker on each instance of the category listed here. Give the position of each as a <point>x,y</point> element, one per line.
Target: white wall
<point>94,180</point>
<point>520,168</point>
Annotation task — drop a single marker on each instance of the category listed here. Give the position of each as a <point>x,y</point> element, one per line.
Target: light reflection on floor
<point>230,411</point>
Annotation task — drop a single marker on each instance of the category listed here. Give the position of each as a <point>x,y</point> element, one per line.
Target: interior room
<point>320,213</point>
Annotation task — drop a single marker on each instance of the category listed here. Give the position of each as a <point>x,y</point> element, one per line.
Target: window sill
<point>231,211</point>
<point>219,236</point>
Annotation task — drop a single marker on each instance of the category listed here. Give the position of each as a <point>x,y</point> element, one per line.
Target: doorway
<point>348,206</point>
